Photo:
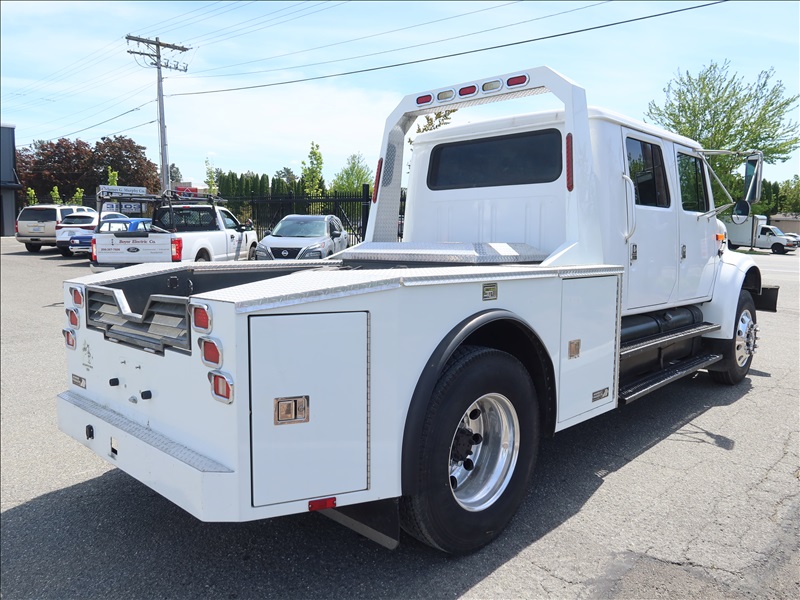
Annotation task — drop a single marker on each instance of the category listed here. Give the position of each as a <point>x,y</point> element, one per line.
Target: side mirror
<point>752,178</point>
<point>740,212</point>
<point>336,234</point>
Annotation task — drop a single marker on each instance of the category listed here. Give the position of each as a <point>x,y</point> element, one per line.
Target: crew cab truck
<point>181,230</point>
<point>554,266</point>
<point>755,232</point>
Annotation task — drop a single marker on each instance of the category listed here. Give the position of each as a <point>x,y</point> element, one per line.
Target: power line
<point>444,56</point>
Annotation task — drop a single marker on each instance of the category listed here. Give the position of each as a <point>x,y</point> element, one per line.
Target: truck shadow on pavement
<point>113,537</point>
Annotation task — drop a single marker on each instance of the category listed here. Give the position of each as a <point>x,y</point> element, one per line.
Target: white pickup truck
<point>554,266</point>
<point>754,230</point>
<point>181,230</point>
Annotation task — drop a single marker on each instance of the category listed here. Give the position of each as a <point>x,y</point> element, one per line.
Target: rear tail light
<point>377,180</point>
<point>73,317</point>
<point>201,318</point>
<point>517,80</point>
<point>77,296</point>
<point>69,338</point>
<point>177,249</point>
<point>16,226</point>
<point>322,504</point>
<point>221,386</point>
<point>94,250</point>
<point>210,352</point>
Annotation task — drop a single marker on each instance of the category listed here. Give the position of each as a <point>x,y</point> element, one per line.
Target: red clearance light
<point>377,181</point>
<point>570,174</point>
<point>16,226</point>
<point>322,503</point>
<point>221,387</point>
<point>77,297</point>
<point>469,90</point>
<point>426,99</point>
<point>210,352</point>
<point>177,250</point>
<point>73,317</point>
<point>201,318</point>
<point>69,338</point>
<point>517,80</point>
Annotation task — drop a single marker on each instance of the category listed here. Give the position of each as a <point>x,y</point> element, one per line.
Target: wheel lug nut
<point>474,414</point>
<point>469,465</point>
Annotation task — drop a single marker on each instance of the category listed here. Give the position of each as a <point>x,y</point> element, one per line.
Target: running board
<point>663,339</point>
<point>636,389</point>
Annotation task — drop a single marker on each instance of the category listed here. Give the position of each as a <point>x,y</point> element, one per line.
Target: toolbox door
<point>309,405</point>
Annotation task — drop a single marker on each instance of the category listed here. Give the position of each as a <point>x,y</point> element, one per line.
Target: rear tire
<point>778,248</point>
<point>251,254</point>
<point>33,247</point>
<point>66,252</point>
<point>477,452</point>
<point>737,352</point>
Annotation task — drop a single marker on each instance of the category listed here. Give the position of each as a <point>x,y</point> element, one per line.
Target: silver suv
<point>36,225</point>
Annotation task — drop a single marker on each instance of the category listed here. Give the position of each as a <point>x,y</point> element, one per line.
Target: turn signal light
<point>210,352</point>
<point>73,317</point>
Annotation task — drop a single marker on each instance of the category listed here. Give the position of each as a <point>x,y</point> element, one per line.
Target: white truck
<point>553,267</point>
<point>181,230</point>
<point>755,232</point>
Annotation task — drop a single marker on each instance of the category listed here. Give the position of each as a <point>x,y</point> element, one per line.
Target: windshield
<point>78,219</point>
<point>777,231</point>
<point>300,228</point>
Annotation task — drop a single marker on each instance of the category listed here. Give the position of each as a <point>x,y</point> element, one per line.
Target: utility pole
<point>154,54</point>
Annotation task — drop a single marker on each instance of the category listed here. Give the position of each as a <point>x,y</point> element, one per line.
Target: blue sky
<point>65,69</point>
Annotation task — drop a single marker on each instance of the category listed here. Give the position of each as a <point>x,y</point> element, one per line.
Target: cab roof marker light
<point>467,91</point>
<point>491,86</point>
<point>445,95</point>
<point>517,80</point>
<point>424,99</point>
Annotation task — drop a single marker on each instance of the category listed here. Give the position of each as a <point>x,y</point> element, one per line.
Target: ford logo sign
<point>133,249</point>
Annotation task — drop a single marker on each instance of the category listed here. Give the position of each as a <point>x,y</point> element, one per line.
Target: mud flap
<point>767,300</point>
<point>378,521</point>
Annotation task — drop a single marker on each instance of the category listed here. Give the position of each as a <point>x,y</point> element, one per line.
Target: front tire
<point>778,248</point>
<point>477,451</point>
<point>737,352</point>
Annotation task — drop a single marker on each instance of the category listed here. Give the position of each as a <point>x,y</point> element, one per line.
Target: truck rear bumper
<point>196,483</point>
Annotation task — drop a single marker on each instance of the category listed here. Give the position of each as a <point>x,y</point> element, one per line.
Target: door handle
<point>634,252</point>
<point>683,252</point>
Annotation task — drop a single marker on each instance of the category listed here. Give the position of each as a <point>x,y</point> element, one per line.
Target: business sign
<point>124,207</point>
<point>186,192</point>
<point>121,190</point>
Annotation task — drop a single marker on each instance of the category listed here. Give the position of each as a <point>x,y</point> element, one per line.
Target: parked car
<point>76,224</point>
<point>36,225</point>
<point>83,242</point>
<point>303,237</point>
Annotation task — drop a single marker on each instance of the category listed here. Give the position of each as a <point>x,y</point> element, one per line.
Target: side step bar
<point>664,339</point>
<point>636,389</point>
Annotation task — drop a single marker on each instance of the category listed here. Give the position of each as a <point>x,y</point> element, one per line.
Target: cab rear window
<point>37,214</point>
<point>518,159</point>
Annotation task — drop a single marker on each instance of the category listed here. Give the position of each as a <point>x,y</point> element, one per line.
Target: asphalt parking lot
<point>693,491</point>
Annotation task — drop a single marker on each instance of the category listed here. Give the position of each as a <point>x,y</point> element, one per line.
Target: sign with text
<point>121,190</point>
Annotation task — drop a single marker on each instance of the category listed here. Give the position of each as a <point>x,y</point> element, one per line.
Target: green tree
<point>175,175</point>
<point>790,195</point>
<point>113,176</point>
<point>722,111</point>
<point>30,197</point>
<point>55,196</point>
<point>77,197</point>
<point>353,175</point>
<point>129,160</point>
<point>211,179</point>
<point>286,174</point>
<point>314,185</point>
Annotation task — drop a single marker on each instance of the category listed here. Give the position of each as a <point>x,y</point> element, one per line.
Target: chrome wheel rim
<point>483,452</point>
<point>745,338</point>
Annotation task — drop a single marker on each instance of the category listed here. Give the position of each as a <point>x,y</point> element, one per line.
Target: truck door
<point>698,246</point>
<point>234,240</point>
<point>651,269</point>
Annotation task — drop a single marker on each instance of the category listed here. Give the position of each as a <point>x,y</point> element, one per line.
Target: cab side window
<point>694,195</point>
<point>646,168</point>
<point>229,220</point>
